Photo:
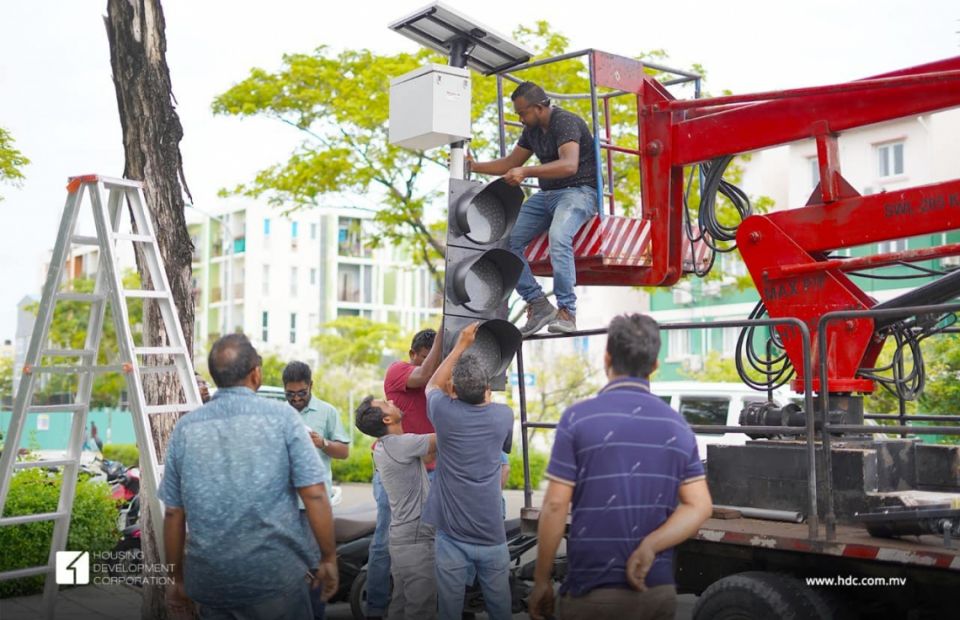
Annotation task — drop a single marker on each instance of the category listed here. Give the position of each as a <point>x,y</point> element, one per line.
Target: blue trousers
<point>456,561</point>
<point>563,212</point>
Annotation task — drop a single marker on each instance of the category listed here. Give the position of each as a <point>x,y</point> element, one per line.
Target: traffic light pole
<point>459,50</point>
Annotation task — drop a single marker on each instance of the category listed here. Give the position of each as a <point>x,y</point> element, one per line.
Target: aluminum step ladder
<point>106,197</point>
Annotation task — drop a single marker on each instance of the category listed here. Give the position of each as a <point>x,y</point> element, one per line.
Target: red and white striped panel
<point>936,558</point>
<point>618,241</point>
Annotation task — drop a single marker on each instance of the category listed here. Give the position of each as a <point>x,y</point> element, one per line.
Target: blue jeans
<point>292,604</point>
<point>456,560</point>
<point>563,211</point>
<point>378,558</point>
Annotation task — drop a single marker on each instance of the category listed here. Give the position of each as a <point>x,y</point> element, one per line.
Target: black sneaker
<point>539,314</point>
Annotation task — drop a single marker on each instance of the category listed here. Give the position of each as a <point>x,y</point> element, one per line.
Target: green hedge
<point>93,526</point>
<point>358,467</point>
<point>538,464</point>
<point>126,453</point>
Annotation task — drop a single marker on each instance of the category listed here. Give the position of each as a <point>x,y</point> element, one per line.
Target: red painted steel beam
<point>863,262</point>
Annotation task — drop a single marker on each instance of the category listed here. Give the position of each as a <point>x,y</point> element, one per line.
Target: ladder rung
<point>169,408</point>
<point>66,352</point>
<point>156,370</point>
<point>84,240</point>
<point>65,408</point>
<point>24,572</point>
<point>42,516</point>
<point>77,370</point>
<point>159,351</point>
<point>45,463</point>
<point>117,182</point>
<point>146,294</point>
<point>89,297</point>
<point>132,237</point>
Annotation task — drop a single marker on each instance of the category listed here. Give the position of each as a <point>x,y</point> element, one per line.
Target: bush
<point>93,525</point>
<point>358,467</point>
<point>538,464</point>
<point>126,453</point>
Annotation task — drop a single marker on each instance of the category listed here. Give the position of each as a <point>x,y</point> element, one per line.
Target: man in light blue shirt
<point>321,418</point>
<point>326,431</point>
<point>232,474</point>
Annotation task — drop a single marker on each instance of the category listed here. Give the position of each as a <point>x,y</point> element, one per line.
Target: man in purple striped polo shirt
<point>629,464</point>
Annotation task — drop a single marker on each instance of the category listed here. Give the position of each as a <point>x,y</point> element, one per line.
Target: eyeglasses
<point>297,394</point>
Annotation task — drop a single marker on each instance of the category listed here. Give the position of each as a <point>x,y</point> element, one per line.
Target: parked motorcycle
<point>521,575</point>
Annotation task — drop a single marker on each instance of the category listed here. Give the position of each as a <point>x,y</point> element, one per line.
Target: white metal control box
<point>430,107</point>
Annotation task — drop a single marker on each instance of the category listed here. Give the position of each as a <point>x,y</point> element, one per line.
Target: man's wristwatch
<point>323,442</point>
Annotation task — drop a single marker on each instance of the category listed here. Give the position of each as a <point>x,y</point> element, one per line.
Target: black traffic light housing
<point>482,272</point>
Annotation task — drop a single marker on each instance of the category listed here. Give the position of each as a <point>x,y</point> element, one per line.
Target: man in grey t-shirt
<point>464,502</point>
<point>400,460</point>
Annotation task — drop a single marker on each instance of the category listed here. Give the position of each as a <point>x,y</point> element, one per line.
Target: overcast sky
<point>58,101</point>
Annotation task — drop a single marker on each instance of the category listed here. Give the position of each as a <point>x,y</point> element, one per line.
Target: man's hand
<point>327,577</point>
<point>467,335</point>
<point>515,176</point>
<point>318,441</point>
<point>540,603</point>
<point>178,602</point>
<point>638,565</point>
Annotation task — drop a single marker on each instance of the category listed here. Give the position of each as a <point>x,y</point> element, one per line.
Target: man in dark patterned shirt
<point>566,200</point>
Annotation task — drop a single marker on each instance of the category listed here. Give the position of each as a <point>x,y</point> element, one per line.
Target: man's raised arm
<point>441,379</point>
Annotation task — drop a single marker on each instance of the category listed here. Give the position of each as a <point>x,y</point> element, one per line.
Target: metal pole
<point>524,443</point>
<point>458,58</point>
<point>596,134</point>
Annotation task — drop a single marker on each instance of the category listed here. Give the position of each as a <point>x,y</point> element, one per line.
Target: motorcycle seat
<point>355,522</point>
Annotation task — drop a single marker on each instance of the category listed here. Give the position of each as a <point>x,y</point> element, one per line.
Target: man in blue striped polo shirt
<point>629,464</point>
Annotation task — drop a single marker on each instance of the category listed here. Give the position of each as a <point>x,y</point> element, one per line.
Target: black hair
<point>423,340</point>
<point>470,380</point>
<point>231,359</point>
<point>369,419</point>
<point>531,93</point>
<point>297,372</point>
<point>633,342</point>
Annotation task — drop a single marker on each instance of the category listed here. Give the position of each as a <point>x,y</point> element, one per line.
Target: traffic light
<point>482,271</point>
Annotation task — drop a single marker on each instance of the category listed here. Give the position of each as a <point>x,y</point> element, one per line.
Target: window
<point>897,245</point>
<point>293,230</point>
<point>293,328</point>
<point>710,410</point>
<point>313,276</point>
<point>890,159</point>
<point>349,238</point>
<point>729,336</point>
<point>313,231</point>
<point>266,227</point>
<point>264,325</point>
<point>347,312</point>
<point>814,164</point>
<point>367,285</point>
<point>348,283</point>
<point>678,344</point>
<point>293,281</point>
<point>265,289</point>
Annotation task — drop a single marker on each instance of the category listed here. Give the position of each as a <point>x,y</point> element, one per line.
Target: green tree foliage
<point>715,368</point>
<point>340,104</point>
<point>68,330</point>
<point>6,380</point>
<point>272,368</point>
<point>353,342</point>
<point>93,525</point>
<point>11,160</point>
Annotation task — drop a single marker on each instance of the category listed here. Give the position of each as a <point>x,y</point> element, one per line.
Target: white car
<point>717,404</point>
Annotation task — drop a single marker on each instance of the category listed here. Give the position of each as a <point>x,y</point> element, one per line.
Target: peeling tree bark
<point>151,141</point>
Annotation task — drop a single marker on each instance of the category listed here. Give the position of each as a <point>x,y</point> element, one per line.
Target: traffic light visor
<point>486,214</point>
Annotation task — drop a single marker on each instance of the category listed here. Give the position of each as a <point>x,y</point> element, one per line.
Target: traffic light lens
<point>484,286</point>
<point>485,218</point>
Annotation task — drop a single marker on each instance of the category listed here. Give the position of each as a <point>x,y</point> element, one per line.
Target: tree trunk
<point>151,141</point>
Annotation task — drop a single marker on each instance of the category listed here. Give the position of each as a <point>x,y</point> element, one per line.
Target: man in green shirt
<point>328,435</point>
<point>321,418</point>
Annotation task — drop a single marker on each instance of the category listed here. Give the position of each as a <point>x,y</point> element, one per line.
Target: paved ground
<point>123,602</point>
